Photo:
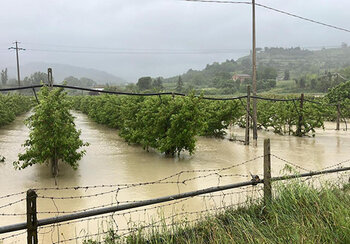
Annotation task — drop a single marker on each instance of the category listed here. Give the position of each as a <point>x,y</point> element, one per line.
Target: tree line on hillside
<point>38,78</point>
<point>324,82</point>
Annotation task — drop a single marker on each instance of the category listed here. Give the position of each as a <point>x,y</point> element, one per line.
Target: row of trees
<point>12,105</point>
<point>169,125</point>
<point>320,83</point>
<point>147,83</point>
<point>38,78</point>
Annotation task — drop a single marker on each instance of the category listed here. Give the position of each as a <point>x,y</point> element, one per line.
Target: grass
<point>300,214</point>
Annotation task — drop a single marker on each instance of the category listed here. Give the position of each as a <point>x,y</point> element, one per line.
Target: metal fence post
<point>247,118</point>
<point>32,220</point>
<point>267,172</point>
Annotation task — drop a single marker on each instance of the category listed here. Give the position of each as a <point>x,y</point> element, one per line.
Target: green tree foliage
<point>286,75</point>
<point>144,83</point>
<point>53,135</point>
<point>13,105</point>
<point>82,82</point>
<point>340,94</point>
<point>169,125</point>
<point>266,73</point>
<point>36,79</point>
<point>4,77</point>
<point>219,115</point>
<point>179,85</point>
<point>158,84</point>
<point>283,117</point>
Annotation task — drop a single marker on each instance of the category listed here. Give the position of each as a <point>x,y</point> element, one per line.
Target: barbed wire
<point>219,199</point>
<point>119,214</point>
<point>12,214</point>
<point>336,165</point>
<point>13,194</point>
<point>162,221</point>
<point>13,203</point>
<point>12,236</point>
<point>160,181</point>
<point>290,163</point>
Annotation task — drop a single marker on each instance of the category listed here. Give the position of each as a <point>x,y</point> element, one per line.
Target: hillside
<point>301,61</point>
<point>61,71</point>
<point>272,63</point>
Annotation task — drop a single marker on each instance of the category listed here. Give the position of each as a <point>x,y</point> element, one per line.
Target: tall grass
<point>298,214</point>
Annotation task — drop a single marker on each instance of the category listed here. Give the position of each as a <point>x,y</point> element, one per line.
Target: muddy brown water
<point>110,161</point>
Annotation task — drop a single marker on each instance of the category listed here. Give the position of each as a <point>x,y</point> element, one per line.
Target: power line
<point>276,10</point>
<point>159,52</point>
<point>303,18</point>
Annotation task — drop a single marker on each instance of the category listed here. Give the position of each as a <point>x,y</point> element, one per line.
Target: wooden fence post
<point>338,116</point>
<point>32,221</point>
<point>267,172</point>
<point>247,118</point>
<point>300,122</point>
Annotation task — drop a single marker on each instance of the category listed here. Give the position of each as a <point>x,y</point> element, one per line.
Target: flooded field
<point>110,162</point>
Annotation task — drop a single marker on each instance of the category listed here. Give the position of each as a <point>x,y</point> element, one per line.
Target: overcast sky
<point>133,38</point>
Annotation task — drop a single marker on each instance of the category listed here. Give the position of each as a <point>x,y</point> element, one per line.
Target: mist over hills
<point>61,71</point>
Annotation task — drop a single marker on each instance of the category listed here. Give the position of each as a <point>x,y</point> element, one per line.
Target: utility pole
<point>255,130</point>
<point>17,49</point>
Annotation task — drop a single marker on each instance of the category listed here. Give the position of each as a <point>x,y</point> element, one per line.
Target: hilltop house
<point>241,77</point>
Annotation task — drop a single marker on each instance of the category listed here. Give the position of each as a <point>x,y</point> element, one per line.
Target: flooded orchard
<point>110,162</point>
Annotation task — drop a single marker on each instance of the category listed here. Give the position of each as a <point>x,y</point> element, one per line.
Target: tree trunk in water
<point>54,164</point>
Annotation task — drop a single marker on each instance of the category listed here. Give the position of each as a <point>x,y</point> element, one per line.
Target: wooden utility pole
<point>17,49</point>
<point>32,221</point>
<point>267,172</point>
<point>255,117</point>
<point>247,118</point>
<point>300,121</point>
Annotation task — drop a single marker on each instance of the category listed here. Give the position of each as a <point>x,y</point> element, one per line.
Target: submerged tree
<point>53,135</point>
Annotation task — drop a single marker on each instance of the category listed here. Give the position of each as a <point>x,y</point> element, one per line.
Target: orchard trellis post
<point>247,118</point>
<point>301,118</point>
<point>54,160</point>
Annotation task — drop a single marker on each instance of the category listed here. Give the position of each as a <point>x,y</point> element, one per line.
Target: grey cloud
<point>158,24</point>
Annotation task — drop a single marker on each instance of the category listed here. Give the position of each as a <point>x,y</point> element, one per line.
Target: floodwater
<point>110,162</point>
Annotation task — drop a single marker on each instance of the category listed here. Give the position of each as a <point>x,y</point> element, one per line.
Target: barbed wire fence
<point>123,223</point>
<point>122,217</point>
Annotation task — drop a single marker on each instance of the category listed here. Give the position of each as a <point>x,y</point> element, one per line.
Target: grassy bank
<point>300,214</point>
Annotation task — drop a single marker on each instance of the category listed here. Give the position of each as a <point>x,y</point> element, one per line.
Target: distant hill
<point>61,71</point>
<point>301,61</point>
<point>297,61</point>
